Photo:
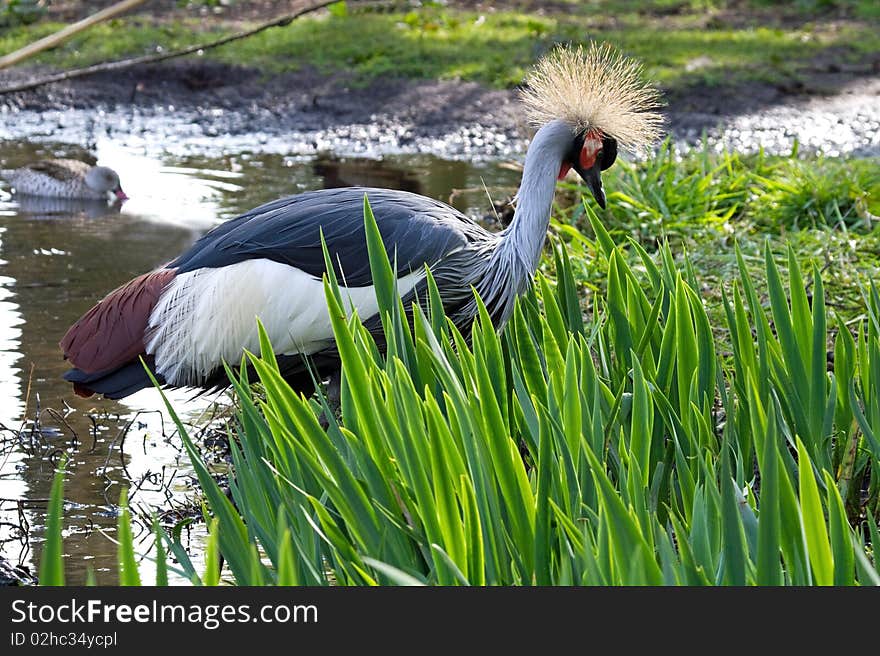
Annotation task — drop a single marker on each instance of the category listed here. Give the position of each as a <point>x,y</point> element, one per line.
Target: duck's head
<point>105,179</point>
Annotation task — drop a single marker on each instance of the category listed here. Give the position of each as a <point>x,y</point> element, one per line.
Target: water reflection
<point>58,259</point>
<point>335,173</point>
<point>10,335</point>
<point>41,207</point>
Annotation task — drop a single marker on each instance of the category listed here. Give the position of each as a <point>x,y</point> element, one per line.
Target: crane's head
<point>603,99</point>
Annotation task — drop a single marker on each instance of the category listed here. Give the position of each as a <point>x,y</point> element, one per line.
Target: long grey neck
<point>523,240</point>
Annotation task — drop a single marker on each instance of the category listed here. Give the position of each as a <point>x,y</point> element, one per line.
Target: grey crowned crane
<point>188,317</point>
<point>65,178</point>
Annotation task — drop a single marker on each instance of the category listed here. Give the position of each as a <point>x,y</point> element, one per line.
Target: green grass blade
<point>380,266</point>
<point>161,555</point>
<point>51,560</point>
<point>127,562</point>
<point>841,536</point>
<point>815,531</point>
<point>211,577</point>
<point>394,574</point>
<point>769,566</point>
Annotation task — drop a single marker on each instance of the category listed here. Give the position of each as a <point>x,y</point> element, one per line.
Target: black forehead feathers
<point>576,146</point>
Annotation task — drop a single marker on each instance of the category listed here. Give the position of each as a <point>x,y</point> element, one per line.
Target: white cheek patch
<point>592,146</point>
<point>210,315</point>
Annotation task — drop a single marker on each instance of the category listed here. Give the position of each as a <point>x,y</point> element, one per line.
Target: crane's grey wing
<point>415,229</point>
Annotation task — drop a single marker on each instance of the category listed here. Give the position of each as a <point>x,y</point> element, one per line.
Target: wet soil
<point>304,100</point>
<point>224,99</point>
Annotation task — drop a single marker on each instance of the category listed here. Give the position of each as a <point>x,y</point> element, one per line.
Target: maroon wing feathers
<point>112,332</point>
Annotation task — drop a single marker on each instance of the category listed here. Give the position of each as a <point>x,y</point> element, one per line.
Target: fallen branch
<point>153,59</point>
<point>62,35</point>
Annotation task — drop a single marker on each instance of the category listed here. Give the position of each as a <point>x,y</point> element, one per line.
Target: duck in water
<point>65,178</point>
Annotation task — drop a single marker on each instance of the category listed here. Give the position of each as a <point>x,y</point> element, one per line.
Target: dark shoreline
<point>221,99</point>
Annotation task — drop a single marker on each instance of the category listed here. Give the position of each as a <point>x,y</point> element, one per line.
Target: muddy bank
<point>193,103</point>
<point>220,99</point>
<point>845,122</point>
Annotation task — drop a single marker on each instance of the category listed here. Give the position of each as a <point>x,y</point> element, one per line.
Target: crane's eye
<point>608,154</point>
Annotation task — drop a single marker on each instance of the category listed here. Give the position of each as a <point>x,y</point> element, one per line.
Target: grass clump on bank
<point>689,195</point>
<point>704,203</point>
<point>619,448</point>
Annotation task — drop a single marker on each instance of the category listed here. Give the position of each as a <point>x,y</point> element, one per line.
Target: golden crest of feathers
<point>595,87</point>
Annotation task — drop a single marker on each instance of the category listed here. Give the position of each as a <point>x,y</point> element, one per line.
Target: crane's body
<point>189,317</point>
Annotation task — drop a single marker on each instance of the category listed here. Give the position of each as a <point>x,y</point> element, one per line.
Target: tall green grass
<point>615,448</point>
<point>453,41</point>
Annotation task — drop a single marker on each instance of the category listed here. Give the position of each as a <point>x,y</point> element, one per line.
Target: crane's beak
<point>593,178</point>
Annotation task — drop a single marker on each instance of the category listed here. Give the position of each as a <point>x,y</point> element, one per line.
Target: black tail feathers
<point>114,384</point>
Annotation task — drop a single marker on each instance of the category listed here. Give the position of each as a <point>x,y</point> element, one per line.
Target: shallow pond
<point>58,259</point>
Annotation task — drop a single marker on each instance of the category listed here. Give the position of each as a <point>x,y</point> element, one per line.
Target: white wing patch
<point>209,315</point>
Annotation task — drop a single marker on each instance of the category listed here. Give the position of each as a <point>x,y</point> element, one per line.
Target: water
<point>58,259</point>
